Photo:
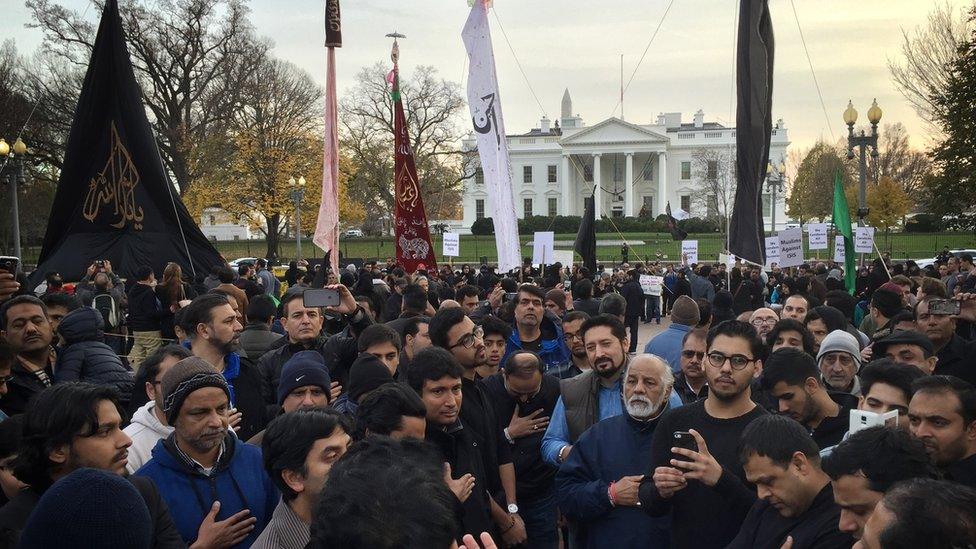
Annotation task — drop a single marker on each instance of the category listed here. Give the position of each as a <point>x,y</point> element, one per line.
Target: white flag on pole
<point>489,127</point>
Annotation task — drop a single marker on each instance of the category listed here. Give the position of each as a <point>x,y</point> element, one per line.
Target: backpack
<point>105,304</point>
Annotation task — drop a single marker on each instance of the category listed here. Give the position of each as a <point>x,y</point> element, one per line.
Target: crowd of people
<point>468,408</point>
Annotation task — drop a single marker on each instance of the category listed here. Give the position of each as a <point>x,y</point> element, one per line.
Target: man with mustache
<point>942,414</point>
<point>208,477</point>
<point>68,427</point>
<point>597,485</point>
<point>538,332</point>
<point>579,362</point>
<point>705,490</point>
<point>24,324</point>
<point>690,383</point>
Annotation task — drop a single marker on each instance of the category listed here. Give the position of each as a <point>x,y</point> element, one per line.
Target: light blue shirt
<point>667,345</point>
<point>611,405</point>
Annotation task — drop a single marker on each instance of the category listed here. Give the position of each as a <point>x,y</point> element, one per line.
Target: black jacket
<point>815,528</point>
<point>632,292</point>
<point>958,358</point>
<point>145,310</point>
<point>391,309</point>
<point>589,306</point>
<point>270,364</point>
<point>462,449</point>
<point>22,386</point>
<point>249,400</point>
<point>86,358</point>
<point>257,339</point>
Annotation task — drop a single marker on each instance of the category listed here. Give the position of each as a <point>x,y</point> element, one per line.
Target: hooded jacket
<point>86,357</point>
<point>554,353</point>
<point>237,480</point>
<point>145,430</point>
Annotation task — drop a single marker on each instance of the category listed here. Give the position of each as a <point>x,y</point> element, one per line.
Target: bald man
<point>763,320</point>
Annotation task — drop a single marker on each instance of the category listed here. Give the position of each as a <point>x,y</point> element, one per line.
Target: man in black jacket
<point>632,292</point>
<point>68,427</point>
<point>145,312</point>
<point>25,327</point>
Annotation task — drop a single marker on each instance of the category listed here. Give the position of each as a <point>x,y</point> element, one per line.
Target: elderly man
<point>763,320</point>
<point>839,360</point>
<point>597,484</point>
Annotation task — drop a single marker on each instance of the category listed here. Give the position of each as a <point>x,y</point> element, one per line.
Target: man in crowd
<point>149,424</point>
<point>667,344</point>
<point>796,307</point>
<point>299,449</point>
<point>597,484</point>
<point>257,337</point>
<point>790,333</point>
<point>585,302</point>
<point>923,513</point>
<point>144,318</point>
<point>887,385</point>
<point>795,499</point>
<point>268,281</point>
<point>467,296</point>
<point>204,473</point>
<point>690,383</point>
<point>705,491</point>
<point>578,361</point>
<point>304,385</point>
<point>25,327</point>
<point>634,295</point>
<point>866,465</point>
<point>59,305</point>
<point>907,347</point>
<point>942,414</point>
<point>538,332</point>
<point>245,280</point>
<point>885,305</point>
<point>496,337</point>
<point>413,304</point>
<point>523,399</point>
<point>392,410</point>
<point>226,276</point>
<point>394,303</point>
<point>763,320</point>
<point>303,326</point>
<point>416,338</point>
<point>791,378</point>
<point>382,342</point>
<point>839,359</point>
<point>701,287</point>
<point>957,357</point>
<point>652,293</point>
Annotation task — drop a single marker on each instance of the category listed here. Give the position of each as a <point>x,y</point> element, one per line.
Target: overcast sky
<point>576,44</point>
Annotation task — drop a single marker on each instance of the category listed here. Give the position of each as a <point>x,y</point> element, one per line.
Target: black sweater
<point>815,528</point>
<point>702,517</point>
<point>145,310</point>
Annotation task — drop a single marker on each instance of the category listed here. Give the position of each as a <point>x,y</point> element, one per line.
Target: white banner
<point>864,240</point>
<point>791,247</point>
<point>452,245</point>
<point>839,249</point>
<point>772,250</point>
<point>564,257</point>
<point>651,284</point>
<point>542,248</point>
<point>689,248</point>
<point>486,118</point>
<point>817,236</point>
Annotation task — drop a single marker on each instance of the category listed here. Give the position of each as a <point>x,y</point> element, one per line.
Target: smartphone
<point>944,306</point>
<point>860,419</point>
<point>100,263</point>
<point>10,264</point>
<point>320,297</point>
<point>684,439</point>
<point>509,296</point>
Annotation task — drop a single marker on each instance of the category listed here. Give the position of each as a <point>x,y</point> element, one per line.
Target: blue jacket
<point>554,353</point>
<point>86,357</point>
<point>667,345</point>
<point>238,481</point>
<point>611,449</point>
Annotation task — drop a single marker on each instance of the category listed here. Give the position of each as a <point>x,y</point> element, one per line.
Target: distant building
<point>218,224</point>
<point>638,167</point>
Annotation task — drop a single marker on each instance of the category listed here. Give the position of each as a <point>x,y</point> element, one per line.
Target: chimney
<point>544,124</point>
<point>700,119</point>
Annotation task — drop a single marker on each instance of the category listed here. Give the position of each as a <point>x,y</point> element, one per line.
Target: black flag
<point>754,83</point>
<point>586,237</point>
<point>676,232</point>
<point>114,200</point>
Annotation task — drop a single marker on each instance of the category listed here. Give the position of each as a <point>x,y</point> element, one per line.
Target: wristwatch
<point>512,508</point>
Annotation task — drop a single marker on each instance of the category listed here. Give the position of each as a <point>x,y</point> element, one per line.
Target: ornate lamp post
<point>775,178</point>
<point>297,193</point>
<point>862,142</point>
<point>17,158</point>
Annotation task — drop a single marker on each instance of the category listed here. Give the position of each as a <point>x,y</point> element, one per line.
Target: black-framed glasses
<point>763,322</point>
<point>467,340</point>
<point>693,354</point>
<point>738,362</point>
<point>569,336</point>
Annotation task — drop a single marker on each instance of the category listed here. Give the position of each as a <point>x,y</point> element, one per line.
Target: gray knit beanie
<point>183,378</point>
<point>685,311</point>
<point>839,340</point>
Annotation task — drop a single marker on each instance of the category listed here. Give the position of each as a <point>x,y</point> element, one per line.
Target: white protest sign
<point>772,250</point>
<point>689,248</point>
<point>817,236</point>
<point>864,240</point>
<point>563,257</point>
<point>651,284</point>
<point>452,245</point>
<point>839,250</point>
<point>791,247</point>
<point>543,243</point>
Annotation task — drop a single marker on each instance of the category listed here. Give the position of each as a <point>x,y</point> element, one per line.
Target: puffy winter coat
<point>86,357</point>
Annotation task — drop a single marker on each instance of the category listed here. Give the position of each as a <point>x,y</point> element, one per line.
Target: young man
<point>887,386</point>
<point>942,415</point>
<point>790,333</point>
<point>205,474</point>
<point>839,359</point>
<point>257,337</point>
<point>382,342</point>
<point>299,450</point>
<point>572,323</point>
<point>790,377</point>
<point>268,281</point>
<point>907,347</point>
<point>538,332</point>
<point>145,314</point>
<point>796,307</point>
<point>706,491</point>
<point>496,337</point>
<point>60,304</point>
<point>795,499</point>
<point>25,327</point>
<point>392,410</point>
<point>416,338</point>
<point>923,513</point>
<point>467,296</point>
<point>149,424</point>
<point>690,383</point>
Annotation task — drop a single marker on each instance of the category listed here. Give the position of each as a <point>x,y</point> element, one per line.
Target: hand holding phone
<point>320,297</point>
<point>684,439</point>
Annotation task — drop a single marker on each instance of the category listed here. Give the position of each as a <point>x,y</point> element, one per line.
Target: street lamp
<point>297,193</point>
<point>775,178</point>
<point>862,141</point>
<point>19,152</point>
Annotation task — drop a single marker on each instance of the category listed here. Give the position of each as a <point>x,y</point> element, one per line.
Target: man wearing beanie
<point>205,473</point>
<point>839,359</point>
<point>667,344</point>
<point>366,374</point>
<point>304,384</point>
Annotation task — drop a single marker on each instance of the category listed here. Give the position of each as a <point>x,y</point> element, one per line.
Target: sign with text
<point>452,245</point>
<point>817,236</point>
<point>839,249</point>
<point>772,250</point>
<point>791,247</point>
<point>864,240</point>
<point>651,284</point>
<point>689,249</point>
<point>543,244</point>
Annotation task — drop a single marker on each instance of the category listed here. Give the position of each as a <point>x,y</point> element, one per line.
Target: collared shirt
<point>194,464</point>
<point>285,530</point>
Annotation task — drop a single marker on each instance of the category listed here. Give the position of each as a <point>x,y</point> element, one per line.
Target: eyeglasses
<point>738,362</point>
<point>467,340</point>
<point>569,336</point>
<point>763,322</point>
<point>696,354</point>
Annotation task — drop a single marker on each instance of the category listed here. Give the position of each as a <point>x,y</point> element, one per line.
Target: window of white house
<point>479,209</point>
<point>647,172</point>
<point>649,205</point>
<point>686,170</point>
<point>552,173</point>
<point>618,171</point>
<point>526,207</point>
<point>588,173</point>
<point>552,207</point>
<point>527,174</point>
<point>479,177</point>
<point>686,202</point>
<point>213,220</point>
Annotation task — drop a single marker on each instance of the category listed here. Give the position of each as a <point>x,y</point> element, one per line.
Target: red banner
<point>413,247</point>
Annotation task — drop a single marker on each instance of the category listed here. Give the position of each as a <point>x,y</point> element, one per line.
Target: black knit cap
<point>183,378</point>
<point>366,374</point>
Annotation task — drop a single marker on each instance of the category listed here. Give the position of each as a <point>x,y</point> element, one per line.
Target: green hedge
<point>567,224</point>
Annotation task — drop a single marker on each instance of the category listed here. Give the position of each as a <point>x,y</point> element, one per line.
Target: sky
<point>576,44</point>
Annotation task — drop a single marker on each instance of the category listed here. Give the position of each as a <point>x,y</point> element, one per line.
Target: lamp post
<point>775,178</point>
<point>19,151</point>
<point>862,141</point>
<point>297,193</point>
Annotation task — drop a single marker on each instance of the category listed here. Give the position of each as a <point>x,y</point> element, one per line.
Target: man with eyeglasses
<point>690,383</point>
<point>537,331</point>
<point>573,335</point>
<point>839,359</point>
<point>763,320</point>
<point>705,490</point>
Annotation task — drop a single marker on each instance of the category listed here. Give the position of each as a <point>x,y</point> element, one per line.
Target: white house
<point>633,166</point>
<point>218,224</point>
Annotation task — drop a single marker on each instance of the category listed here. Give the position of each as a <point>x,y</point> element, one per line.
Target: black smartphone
<point>944,306</point>
<point>684,439</point>
<point>509,296</point>
<point>9,264</point>
<point>320,297</point>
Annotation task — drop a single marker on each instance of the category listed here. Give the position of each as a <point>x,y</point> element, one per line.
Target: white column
<point>566,179</point>
<point>662,182</point>
<point>597,191</point>
<point>629,186</point>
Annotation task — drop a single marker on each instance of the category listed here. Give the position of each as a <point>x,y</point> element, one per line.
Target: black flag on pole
<point>114,200</point>
<point>677,233</point>
<point>754,84</point>
<point>586,237</point>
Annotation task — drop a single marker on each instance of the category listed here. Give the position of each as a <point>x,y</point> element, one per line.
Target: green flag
<point>842,221</point>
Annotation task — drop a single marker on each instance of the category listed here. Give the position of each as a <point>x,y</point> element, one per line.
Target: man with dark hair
<point>496,337</point>
<point>382,342</point>
<point>796,307</point>
<point>928,513</point>
<point>60,304</point>
<point>467,296</point>
<point>866,465</point>
<point>572,324</point>
<point>416,337</point>
<point>357,512</point>
<point>795,499</point>
<point>706,491</point>
<point>942,415</point>
<point>257,337</point>
<point>790,377</point>
<point>790,333</point>
<point>690,383</point>
<point>615,305</point>
<point>227,276</point>
<point>145,314</point>
<point>907,347</point>
<point>68,427</point>
<point>245,280</point>
<point>268,281</point>
<point>957,357</point>
<point>885,304</point>
<point>634,296</point>
<point>537,331</point>
<point>414,303</point>
<point>303,329</point>
<point>25,327</point>
<point>887,385</point>
<point>392,410</point>
<point>149,424</point>
<point>584,300</point>
<point>299,450</point>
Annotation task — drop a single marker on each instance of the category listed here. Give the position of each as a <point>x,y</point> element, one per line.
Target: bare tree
<point>714,171</point>
<point>898,161</point>
<point>926,66</point>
